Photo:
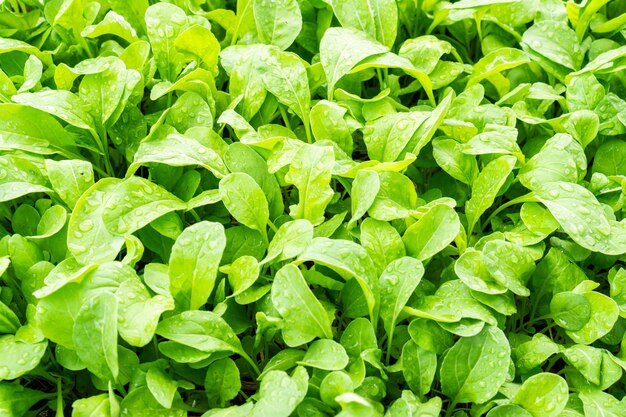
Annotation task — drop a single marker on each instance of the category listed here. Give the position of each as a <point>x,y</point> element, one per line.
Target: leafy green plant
<point>311,208</point>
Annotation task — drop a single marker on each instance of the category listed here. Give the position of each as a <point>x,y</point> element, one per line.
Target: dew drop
<point>85,226</point>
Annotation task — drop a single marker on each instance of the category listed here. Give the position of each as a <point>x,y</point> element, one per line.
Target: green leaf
<point>60,103</point>
<point>245,200</point>
<point>243,272</point>
<point>177,150</point>
<point>303,315</point>
<point>537,219</point>
<point>284,75</point>
<point>358,337</point>
<point>509,264</point>
<point>277,24</point>
<point>570,310</point>
<point>571,205</point>
<point>198,43</point>
<point>19,356</point>
<point>617,281</point>
<point>106,92</point>
<point>70,179</point>
<point>69,286</point>
<point>245,18</point>
<point>583,125</point>
<point>310,172</point>
<point>396,285</point>
<point>597,403</point>
<point>9,322</point>
<point>604,314</point>
<point>428,335</point>
<point>378,18</point>
<point>458,165</point>
<point>494,140</point>
<point>123,215</point>
<point>140,315</point>
<point>543,394</point>
<point>278,394</point>
<point>349,260</point>
<point>584,92</point>
<point>486,187</point>
<point>432,233</point>
<point>290,240</point>
<point>389,135</point>
<point>471,268</point>
<point>95,244</point>
<point>475,368</point>
<point>164,22</point>
<point>610,158</point>
<point>341,49</point>
<point>95,336</point>
<point>245,81</point>
<point>396,197</point>
<point>104,405</point>
<point>193,264</point>
<point>20,177</point>
<point>242,158</point>
<point>141,403</point>
<point>382,242</point>
<point>607,61</point>
<point>508,410</point>
<point>112,24</point>
<point>418,367</point>
<point>391,60</point>
<point>589,362</point>
<point>560,159</point>
<point>133,12</point>
<point>161,386</point>
<point>333,385</point>
<point>201,330</point>
<point>325,354</point>
<point>33,70</point>
<point>364,190</point>
<point>534,352</point>
<point>554,46</point>
<point>44,137</point>
<point>16,400</point>
<point>329,122</point>
<point>283,361</point>
<point>222,381</point>
<point>497,61</point>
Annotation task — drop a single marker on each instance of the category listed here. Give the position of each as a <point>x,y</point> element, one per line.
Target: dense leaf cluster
<point>312,208</point>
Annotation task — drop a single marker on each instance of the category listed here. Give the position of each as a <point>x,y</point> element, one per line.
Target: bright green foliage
<point>312,208</point>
